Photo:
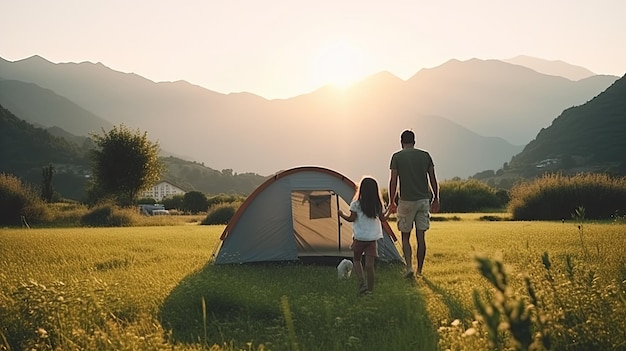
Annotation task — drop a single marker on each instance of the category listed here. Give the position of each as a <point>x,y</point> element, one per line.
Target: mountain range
<point>471,115</point>
<point>554,67</point>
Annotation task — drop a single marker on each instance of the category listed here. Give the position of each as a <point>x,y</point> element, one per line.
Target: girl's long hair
<point>369,197</point>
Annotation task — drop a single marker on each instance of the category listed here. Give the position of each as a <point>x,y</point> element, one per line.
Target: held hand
<point>434,206</point>
<point>393,208</point>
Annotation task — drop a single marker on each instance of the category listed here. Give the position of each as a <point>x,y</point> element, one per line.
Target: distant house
<point>162,190</point>
<point>547,162</point>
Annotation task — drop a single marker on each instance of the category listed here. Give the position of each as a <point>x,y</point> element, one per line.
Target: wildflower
<point>42,333</point>
<point>469,332</point>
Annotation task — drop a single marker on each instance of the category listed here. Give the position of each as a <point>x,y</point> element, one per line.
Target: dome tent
<point>292,216</point>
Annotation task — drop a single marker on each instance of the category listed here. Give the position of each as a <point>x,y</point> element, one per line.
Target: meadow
<point>154,287</point>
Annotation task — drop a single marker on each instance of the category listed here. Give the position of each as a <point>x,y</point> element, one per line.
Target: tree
<point>194,202</point>
<point>125,163</point>
<point>173,202</point>
<point>46,189</point>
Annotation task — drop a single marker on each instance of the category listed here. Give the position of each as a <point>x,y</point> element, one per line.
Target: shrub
<point>221,213</point>
<point>468,196</point>
<point>555,197</point>
<point>173,202</point>
<point>107,216</point>
<point>66,214</point>
<point>18,200</point>
<point>224,198</point>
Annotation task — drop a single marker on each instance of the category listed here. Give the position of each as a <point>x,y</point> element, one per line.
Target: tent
<point>292,216</point>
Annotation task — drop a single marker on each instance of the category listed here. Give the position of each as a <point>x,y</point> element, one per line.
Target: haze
<point>281,49</point>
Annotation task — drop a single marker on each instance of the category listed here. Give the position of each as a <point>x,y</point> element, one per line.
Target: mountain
<point>198,177</point>
<point>464,113</point>
<point>589,137</point>
<point>44,107</point>
<point>25,150</point>
<point>495,98</point>
<point>554,68</point>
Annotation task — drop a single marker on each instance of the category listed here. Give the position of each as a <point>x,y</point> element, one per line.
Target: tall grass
<point>145,288</point>
<point>555,196</point>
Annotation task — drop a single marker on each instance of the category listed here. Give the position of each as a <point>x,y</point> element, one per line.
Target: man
<point>419,196</point>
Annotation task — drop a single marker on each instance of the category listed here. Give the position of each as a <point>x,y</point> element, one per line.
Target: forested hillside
<point>25,150</point>
<point>589,137</point>
<point>196,176</point>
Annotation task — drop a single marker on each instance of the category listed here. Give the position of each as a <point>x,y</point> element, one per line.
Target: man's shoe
<point>362,288</point>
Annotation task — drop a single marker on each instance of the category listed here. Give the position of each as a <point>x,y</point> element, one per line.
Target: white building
<point>162,190</point>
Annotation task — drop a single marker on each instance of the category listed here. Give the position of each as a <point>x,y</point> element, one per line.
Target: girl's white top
<point>365,228</point>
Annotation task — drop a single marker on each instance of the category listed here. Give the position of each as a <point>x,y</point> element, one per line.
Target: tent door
<point>317,228</point>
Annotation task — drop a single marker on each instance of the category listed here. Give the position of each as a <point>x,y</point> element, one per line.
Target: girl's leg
<point>369,268</point>
<point>358,270</point>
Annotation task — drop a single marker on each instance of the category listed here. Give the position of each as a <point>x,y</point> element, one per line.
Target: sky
<point>283,48</point>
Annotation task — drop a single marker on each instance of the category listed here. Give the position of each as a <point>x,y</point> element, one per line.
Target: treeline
<point>552,197</point>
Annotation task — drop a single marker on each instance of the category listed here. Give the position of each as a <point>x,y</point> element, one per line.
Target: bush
<point>469,196</point>
<point>18,200</point>
<point>173,202</point>
<point>224,199</point>
<point>107,216</point>
<point>555,197</point>
<point>221,213</point>
<point>66,214</point>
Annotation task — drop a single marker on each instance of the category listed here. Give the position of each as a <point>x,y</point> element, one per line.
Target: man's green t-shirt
<point>412,165</point>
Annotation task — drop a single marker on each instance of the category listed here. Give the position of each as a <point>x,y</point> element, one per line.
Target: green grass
<point>149,288</point>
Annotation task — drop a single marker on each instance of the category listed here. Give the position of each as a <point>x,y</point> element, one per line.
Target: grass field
<point>150,288</point>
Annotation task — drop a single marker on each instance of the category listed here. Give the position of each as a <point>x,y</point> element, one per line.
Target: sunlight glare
<point>339,64</point>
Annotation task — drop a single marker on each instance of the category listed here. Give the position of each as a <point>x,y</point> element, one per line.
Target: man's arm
<point>393,187</point>
<point>434,206</point>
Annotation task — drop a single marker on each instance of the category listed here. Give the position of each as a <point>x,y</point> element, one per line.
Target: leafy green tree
<point>194,202</point>
<point>125,163</point>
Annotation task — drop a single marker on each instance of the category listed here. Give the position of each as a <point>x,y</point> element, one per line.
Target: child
<point>366,211</point>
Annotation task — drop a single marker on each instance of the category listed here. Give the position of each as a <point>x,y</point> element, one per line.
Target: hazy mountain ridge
<point>495,98</point>
<point>552,67</point>
<point>41,106</point>
<point>328,127</point>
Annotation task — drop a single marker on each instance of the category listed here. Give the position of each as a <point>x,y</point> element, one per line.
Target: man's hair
<point>407,137</point>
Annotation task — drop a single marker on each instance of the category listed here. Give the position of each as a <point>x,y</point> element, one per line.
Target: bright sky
<point>284,48</point>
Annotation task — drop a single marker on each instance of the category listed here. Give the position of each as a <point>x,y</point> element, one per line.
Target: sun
<point>339,64</point>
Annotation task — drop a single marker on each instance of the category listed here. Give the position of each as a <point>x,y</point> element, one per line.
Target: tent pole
<point>338,223</point>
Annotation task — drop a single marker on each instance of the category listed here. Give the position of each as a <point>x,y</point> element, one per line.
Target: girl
<point>366,211</point>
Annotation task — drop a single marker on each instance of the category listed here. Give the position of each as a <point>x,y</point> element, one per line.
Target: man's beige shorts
<point>410,212</point>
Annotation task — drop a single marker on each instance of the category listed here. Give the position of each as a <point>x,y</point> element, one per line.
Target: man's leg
<point>421,249</point>
<point>408,252</point>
